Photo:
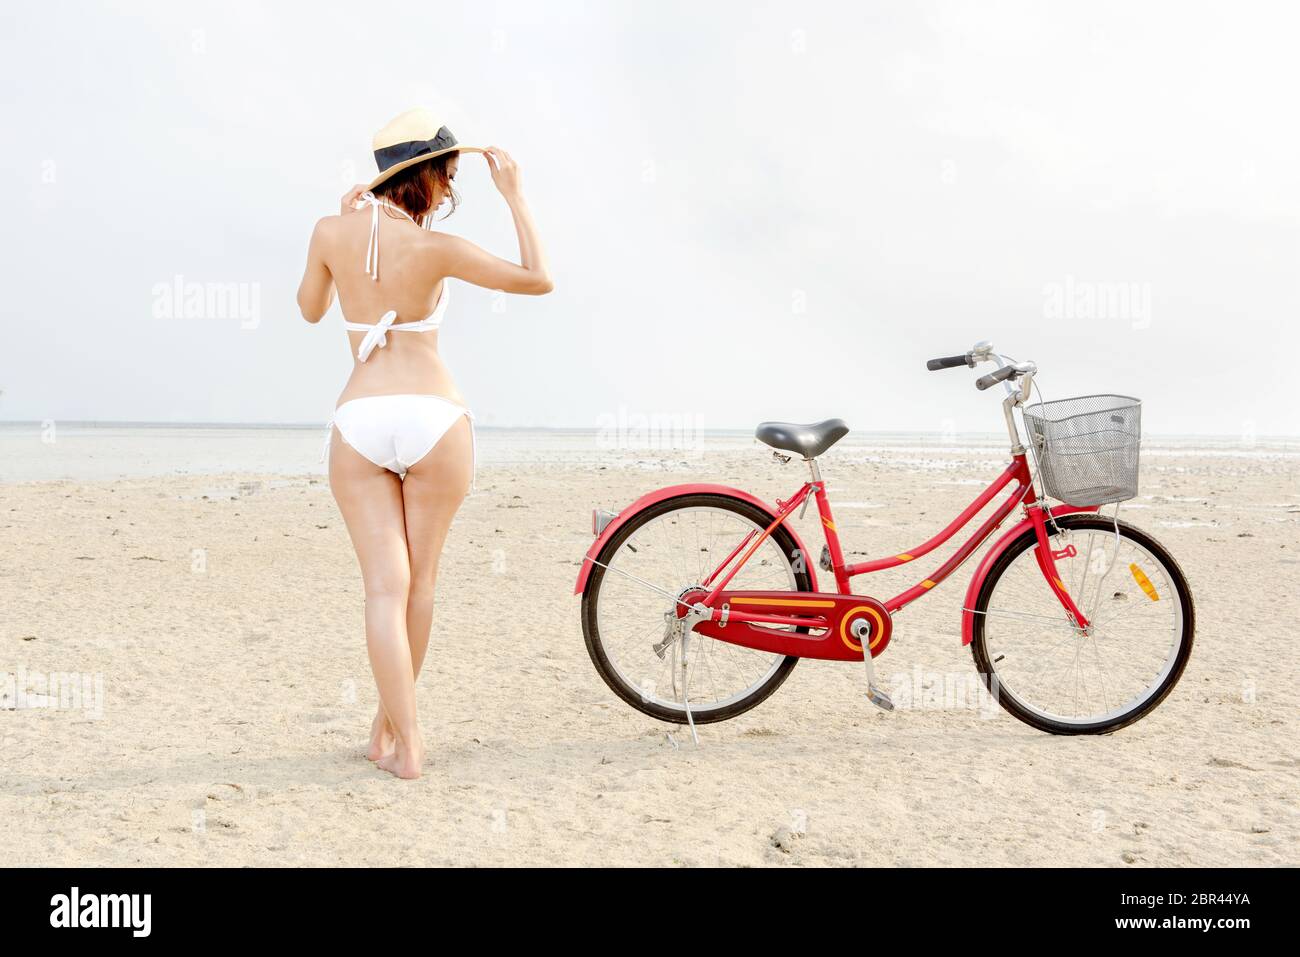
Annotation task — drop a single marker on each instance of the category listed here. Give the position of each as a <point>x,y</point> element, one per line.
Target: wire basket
<point>1087,447</point>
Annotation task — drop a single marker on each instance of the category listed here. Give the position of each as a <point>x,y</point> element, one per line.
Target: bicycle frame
<point>1016,472</point>
<point>843,614</point>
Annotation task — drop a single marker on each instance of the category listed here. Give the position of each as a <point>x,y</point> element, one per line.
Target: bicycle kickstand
<point>862,632</point>
<point>686,687</point>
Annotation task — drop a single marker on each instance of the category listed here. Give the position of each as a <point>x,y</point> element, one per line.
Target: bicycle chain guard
<point>831,638</point>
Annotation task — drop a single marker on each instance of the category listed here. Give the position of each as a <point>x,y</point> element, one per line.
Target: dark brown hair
<point>414,188</point>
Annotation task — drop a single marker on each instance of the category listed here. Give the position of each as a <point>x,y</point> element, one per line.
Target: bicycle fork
<point>1046,559</point>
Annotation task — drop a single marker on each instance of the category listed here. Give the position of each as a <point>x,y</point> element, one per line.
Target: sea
<point>100,451</point>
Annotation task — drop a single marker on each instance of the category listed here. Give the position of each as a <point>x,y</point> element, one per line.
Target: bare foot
<point>405,760</point>
<point>382,737</point>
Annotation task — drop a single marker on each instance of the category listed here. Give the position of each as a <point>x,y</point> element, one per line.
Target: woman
<point>402,446</point>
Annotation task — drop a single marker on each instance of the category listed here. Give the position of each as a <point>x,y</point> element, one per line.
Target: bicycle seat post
<point>816,485</point>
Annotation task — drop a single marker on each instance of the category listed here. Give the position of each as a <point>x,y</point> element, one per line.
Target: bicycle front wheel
<point>1066,680</point>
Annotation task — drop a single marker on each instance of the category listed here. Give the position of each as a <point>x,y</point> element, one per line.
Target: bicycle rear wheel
<point>1065,680</point>
<point>675,545</point>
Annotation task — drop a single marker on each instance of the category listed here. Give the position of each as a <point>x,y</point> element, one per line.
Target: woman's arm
<point>464,260</point>
<point>316,291</point>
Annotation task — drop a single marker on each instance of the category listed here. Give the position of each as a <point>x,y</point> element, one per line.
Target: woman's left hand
<point>348,203</point>
<point>505,172</point>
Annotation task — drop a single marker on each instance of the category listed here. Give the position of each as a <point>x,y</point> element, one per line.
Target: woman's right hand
<point>348,203</point>
<point>505,172</point>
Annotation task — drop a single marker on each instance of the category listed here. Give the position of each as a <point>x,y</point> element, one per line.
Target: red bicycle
<point>698,600</point>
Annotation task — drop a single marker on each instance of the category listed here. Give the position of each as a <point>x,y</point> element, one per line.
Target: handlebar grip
<point>951,362</point>
<point>993,378</point>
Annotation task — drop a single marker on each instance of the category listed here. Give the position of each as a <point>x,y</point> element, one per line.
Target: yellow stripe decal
<point>793,603</point>
<point>1143,582</point>
<point>876,633</point>
<point>829,524</point>
<point>928,584</point>
<point>1061,585</point>
<point>904,557</point>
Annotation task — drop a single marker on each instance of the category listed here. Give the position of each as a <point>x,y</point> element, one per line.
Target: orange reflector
<point>1143,582</point>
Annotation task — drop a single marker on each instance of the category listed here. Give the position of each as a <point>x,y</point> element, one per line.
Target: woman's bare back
<point>410,282</point>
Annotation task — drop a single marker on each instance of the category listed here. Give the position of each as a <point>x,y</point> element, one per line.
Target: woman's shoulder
<point>326,228</point>
<point>439,243</point>
<point>337,230</point>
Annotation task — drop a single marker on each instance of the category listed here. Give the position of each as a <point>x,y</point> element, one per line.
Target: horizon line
<point>309,426</point>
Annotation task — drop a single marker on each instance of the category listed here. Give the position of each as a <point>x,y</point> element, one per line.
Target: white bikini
<point>395,431</point>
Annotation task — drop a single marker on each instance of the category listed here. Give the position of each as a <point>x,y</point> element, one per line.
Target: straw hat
<point>412,138</point>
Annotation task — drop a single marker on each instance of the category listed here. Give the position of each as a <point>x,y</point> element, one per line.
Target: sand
<point>221,617</point>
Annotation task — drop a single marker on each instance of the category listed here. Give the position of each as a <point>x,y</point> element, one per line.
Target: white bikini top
<point>377,334</point>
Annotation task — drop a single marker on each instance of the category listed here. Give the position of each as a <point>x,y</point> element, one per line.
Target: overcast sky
<point>752,210</point>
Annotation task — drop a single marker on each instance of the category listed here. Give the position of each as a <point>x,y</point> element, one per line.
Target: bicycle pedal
<point>874,694</point>
<point>880,699</point>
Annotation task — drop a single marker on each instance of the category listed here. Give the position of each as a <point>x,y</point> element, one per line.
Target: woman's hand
<point>348,202</point>
<point>505,173</point>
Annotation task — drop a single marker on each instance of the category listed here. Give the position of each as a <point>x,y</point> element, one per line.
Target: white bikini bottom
<point>396,431</point>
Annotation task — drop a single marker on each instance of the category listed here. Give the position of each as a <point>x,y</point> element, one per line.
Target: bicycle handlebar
<point>1008,370</point>
<point>993,378</point>
<point>950,362</point>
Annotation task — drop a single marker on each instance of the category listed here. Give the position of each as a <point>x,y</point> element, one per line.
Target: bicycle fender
<point>1002,544</point>
<point>677,491</point>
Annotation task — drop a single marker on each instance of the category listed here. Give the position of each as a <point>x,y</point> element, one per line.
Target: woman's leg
<point>370,499</point>
<point>432,493</point>
<point>434,489</point>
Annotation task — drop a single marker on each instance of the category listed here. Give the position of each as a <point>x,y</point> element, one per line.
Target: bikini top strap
<point>372,246</point>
